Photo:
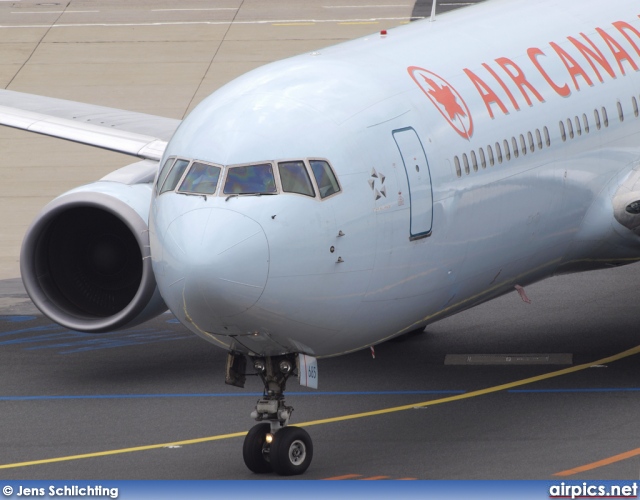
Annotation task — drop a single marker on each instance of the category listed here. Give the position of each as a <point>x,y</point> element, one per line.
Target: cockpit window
<point>201,179</point>
<point>174,176</point>
<point>327,183</point>
<point>250,179</point>
<point>164,172</point>
<point>295,178</point>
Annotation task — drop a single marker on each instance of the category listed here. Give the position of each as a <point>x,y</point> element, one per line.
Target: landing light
<point>268,438</point>
<point>285,366</point>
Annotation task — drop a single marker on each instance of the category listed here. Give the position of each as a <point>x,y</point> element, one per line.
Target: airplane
<point>334,200</point>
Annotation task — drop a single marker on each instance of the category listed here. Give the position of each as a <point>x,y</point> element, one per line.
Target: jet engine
<point>85,260</point>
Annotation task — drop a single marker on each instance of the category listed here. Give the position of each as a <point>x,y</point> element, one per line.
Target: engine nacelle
<point>85,260</point>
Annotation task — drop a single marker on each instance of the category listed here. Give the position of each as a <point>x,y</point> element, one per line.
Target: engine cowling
<point>85,260</point>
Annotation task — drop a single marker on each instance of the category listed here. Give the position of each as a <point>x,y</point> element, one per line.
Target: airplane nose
<point>222,259</point>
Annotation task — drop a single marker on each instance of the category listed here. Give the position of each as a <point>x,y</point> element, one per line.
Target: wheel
<point>253,449</point>
<point>291,451</point>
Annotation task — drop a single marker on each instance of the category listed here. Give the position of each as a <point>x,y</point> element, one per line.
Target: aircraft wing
<point>135,134</point>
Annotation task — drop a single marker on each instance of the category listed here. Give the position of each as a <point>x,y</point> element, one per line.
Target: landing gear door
<point>418,182</point>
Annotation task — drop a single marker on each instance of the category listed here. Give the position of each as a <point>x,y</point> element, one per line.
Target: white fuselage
<point>419,230</point>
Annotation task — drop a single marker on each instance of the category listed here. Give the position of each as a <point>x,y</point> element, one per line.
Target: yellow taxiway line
<point>384,411</point>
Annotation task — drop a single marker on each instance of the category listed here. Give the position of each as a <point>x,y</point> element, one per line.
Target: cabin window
<point>507,152</point>
<point>570,127</point>
<point>596,115</point>
<point>498,152</point>
<point>634,103</point>
<point>174,176</point>
<point>563,132</point>
<point>532,146</point>
<point>326,179</point>
<point>201,179</point>
<point>523,145</point>
<point>250,179</point>
<point>490,153</point>
<point>474,161</point>
<point>295,178</point>
<point>620,112</point>
<point>578,127</point>
<point>605,117</point>
<point>547,137</point>
<point>456,162</point>
<point>539,138</point>
<point>483,160</point>
<point>514,143</point>
<point>465,160</point>
<point>585,122</point>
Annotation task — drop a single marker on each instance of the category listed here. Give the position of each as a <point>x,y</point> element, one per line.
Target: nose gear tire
<point>291,451</point>
<point>253,450</point>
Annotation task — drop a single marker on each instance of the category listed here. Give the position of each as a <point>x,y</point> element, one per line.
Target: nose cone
<point>216,264</point>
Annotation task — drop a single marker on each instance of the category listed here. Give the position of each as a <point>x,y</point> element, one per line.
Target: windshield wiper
<point>248,194</point>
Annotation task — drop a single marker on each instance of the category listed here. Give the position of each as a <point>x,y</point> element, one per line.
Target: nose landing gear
<point>272,445</point>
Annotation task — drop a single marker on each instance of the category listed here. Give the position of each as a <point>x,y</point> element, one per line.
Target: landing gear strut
<point>272,445</point>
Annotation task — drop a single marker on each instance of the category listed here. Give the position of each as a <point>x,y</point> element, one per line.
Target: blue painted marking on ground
<point>92,342</point>
<point>309,393</point>
<point>42,328</point>
<point>54,336</point>
<point>225,395</point>
<point>17,319</point>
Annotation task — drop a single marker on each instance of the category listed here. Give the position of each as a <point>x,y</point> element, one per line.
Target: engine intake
<point>85,262</point>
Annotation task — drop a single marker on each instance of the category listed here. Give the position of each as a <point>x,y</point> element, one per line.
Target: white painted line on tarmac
<point>191,10</point>
<point>293,24</point>
<point>54,11</point>
<point>364,6</point>
<point>194,23</point>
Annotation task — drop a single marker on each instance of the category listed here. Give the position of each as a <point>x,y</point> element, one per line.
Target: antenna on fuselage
<point>433,11</point>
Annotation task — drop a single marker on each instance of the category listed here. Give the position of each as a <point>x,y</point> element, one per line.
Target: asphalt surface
<point>154,400</point>
<point>151,403</point>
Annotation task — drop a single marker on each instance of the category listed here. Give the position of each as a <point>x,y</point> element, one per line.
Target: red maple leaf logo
<point>447,100</point>
<point>445,97</point>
